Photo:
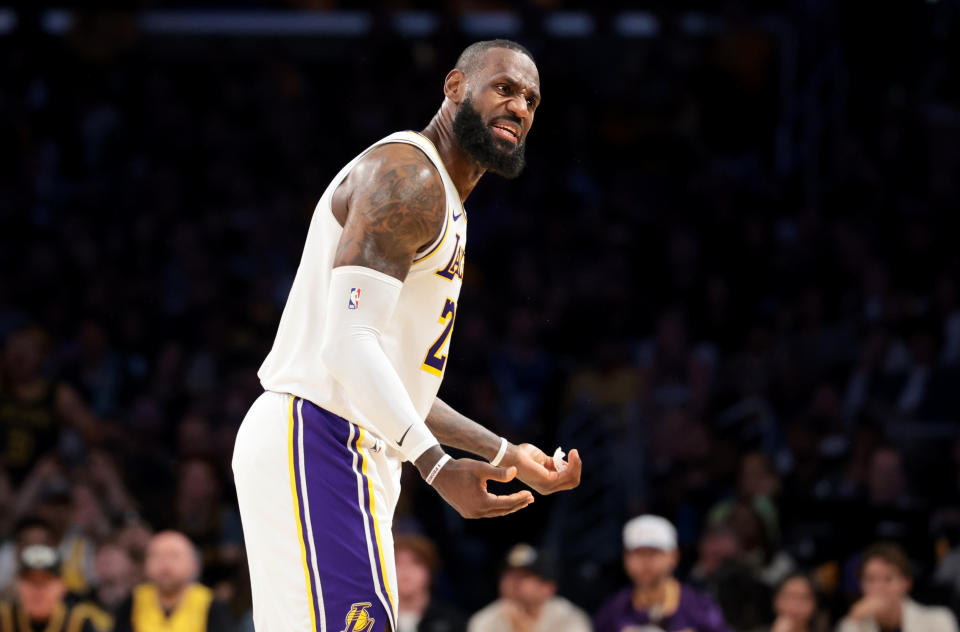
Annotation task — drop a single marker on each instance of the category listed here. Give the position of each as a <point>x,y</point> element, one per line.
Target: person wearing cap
<point>886,577</point>
<point>171,600</point>
<point>40,593</point>
<point>528,601</point>
<point>417,562</point>
<point>656,600</point>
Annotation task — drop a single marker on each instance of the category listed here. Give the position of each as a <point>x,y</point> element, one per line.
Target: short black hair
<point>471,56</point>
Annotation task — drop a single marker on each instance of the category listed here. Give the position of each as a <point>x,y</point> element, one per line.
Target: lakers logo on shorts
<point>358,619</point>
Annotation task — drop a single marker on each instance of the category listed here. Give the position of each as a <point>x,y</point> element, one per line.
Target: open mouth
<point>507,132</point>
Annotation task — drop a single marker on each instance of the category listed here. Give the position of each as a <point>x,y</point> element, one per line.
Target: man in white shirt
<point>886,578</point>
<point>528,601</point>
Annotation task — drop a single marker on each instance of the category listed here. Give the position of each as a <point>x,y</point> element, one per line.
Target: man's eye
<point>531,102</point>
<point>502,87</point>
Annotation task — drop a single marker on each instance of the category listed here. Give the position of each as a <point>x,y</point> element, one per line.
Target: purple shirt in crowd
<point>696,613</point>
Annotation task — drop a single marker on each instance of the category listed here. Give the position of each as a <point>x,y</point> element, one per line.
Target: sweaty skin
<point>391,206</point>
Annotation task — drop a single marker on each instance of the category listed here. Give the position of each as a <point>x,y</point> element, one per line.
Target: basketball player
<point>362,346</point>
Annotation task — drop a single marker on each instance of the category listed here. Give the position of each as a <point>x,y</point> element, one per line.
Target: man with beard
<point>655,601</point>
<point>352,379</point>
<point>171,599</point>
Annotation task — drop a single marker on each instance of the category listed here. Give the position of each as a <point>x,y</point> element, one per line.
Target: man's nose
<point>518,107</point>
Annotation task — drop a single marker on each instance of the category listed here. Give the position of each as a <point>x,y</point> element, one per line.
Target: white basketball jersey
<point>417,339</point>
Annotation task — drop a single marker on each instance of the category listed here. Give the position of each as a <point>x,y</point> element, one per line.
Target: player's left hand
<point>536,469</point>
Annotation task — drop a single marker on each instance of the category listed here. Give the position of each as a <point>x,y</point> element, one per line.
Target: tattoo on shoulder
<point>403,212</point>
<point>402,200</point>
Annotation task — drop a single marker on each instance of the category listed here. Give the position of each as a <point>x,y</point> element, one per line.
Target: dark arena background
<point>729,276</point>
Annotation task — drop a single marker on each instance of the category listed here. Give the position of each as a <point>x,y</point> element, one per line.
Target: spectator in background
<point>135,537</point>
<point>656,598</point>
<point>116,574</point>
<point>795,606</point>
<point>40,594</point>
<point>30,530</point>
<point>70,517</point>
<point>34,410</point>
<point>886,484</point>
<point>731,577</point>
<point>417,562</point>
<point>203,516</point>
<point>758,483</point>
<point>717,545</point>
<point>885,579</point>
<point>888,508</point>
<point>528,599</point>
<point>171,598</point>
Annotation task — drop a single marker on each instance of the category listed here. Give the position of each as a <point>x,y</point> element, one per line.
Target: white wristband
<point>436,468</point>
<point>503,450</point>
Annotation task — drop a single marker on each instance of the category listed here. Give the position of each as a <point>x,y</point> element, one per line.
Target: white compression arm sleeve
<point>359,305</point>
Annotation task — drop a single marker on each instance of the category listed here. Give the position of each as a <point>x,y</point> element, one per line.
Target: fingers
<point>570,477</point>
<point>499,474</point>
<point>503,505</point>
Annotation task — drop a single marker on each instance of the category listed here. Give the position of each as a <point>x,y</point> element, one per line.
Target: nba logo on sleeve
<point>354,298</point>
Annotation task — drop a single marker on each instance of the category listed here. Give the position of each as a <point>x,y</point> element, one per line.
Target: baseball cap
<point>41,558</point>
<point>649,532</point>
<point>525,557</point>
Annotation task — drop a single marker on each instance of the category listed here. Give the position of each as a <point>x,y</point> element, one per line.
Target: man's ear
<point>455,86</point>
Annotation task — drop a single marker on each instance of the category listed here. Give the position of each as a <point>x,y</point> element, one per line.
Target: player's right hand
<point>463,484</point>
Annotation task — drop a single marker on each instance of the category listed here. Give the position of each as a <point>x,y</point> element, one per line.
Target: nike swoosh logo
<point>456,217</point>
<point>400,442</point>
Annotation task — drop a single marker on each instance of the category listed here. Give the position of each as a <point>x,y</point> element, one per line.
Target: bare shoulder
<point>391,205</point>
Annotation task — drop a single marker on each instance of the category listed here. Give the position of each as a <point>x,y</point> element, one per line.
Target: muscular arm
<point>391,205</point>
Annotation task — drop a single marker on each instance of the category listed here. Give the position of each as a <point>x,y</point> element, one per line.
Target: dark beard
<point>478,141</point>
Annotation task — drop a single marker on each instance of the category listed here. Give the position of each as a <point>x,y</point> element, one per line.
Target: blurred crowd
<point>732,283</point>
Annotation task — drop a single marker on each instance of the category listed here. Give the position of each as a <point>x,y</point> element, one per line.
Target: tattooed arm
<point>534,467</point>
<point>391,205</point>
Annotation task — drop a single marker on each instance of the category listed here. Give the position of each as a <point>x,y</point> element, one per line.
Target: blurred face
<point>648,567</point>
<point>757,477</point>
<point>23,355</point>
<point>508,584</point>
<point>795,600</point>
<point>40,592</point>
<point>885,581</point>
<point>886,478</point>
<point>716,548</point>
<point>413,576</point>
<point>493,120</point>
<point>198,482</point>
<point>526,588</point>
<point>171,562</point>
<point>116,575</point>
